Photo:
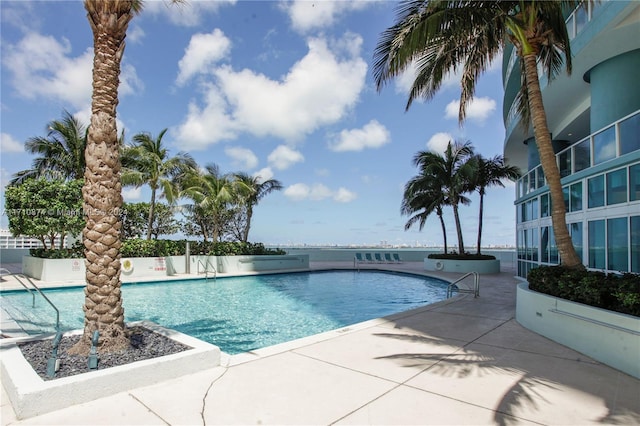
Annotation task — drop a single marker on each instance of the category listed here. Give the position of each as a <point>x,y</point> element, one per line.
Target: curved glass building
<point>594,120</point>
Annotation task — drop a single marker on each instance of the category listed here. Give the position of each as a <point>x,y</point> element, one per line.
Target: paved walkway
<point>461,361</point>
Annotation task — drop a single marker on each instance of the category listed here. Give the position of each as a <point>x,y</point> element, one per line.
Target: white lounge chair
<point>387,258</point>
<point>378,257</point>
<point>396,257</point>
<point>368,257</point>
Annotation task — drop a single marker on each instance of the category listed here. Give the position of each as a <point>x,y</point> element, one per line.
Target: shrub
<point>136,247</point>
<point>619,293</point>
<point>77,250</point>
<point>465,256</point>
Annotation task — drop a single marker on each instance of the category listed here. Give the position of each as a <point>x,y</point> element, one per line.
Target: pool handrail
<point>476,285</point>
<point>206,265</point>
<point>17,276</point>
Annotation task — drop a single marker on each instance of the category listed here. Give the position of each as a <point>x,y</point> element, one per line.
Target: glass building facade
<point>594,120</point>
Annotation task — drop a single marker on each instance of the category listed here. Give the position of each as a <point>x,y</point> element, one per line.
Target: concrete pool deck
<point>460,361</point>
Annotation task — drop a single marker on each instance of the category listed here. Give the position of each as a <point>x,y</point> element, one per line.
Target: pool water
<point>239,314</point>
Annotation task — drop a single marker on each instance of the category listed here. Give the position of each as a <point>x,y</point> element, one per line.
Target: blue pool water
<point>243,313</point>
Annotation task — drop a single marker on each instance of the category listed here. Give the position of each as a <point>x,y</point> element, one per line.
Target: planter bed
<point>30,395</point>
<point>609,337</point>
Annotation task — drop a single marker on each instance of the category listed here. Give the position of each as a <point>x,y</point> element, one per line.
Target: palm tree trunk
<point>102,189</point>
<point>456,216</point>
<point>247,226</point>
<point>568,255</point>
<point>152,207</point>
<point>480,222</point>
<point>444,231</point>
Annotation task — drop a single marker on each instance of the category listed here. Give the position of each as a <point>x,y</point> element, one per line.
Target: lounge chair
<point>387,258</point>
<point>396,257</point>
<point>378,257</point>
<point>358,259</point>
<point>368,257</point>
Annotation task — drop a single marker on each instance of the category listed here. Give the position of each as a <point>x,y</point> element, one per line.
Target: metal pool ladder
<point>19,277</point>
<point>205,266</point>
<point>476,285</point>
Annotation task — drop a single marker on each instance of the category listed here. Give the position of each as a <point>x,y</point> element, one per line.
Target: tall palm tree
<point>453,171</point>
<point>102,191</point>
<point>258,189</point>
<point>487,173</point>
<point>60,153</point>
<point>422,196</point>
<point>147,162</point>
<point>443,36</point>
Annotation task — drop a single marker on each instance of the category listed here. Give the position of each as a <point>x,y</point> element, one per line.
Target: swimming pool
<point>239,314</point>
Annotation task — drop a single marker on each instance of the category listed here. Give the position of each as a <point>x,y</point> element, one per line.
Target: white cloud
<point>319,89</point>
<point>343,195</point>
<point>297,191</point>
<point>264,174</point>
<point>135,34</point>
<point>479,109</point>
<point>318,192</point>
<point>284,157</point>
<point>207,125</point>
<point>438,142</point>
<point>372,135</point>
<point>242,158</point>
<point>188,14</point>
<point>312,15</point>
<point>131,194</point>
<point>203,51</point>
<point>40,67</point>
<point>9,144</point>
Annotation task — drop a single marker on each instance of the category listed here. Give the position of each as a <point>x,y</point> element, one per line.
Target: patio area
<point>461,361</point>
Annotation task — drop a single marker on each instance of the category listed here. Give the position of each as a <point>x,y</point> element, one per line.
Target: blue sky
<point>279,89</point>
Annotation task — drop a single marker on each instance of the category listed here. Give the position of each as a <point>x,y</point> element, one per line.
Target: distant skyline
<point>278,89</point>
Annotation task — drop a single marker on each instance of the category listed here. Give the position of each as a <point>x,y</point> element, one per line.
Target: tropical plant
<point>487,173</point>
<point>135,216</point>
<point>47,209</point>
<point>453,172</point>
<point>60,153</point>
<point>257,190</point>
<point>422,196</point>
<point>212,193</point>
<point>441,37</point>
<point>147,162</point>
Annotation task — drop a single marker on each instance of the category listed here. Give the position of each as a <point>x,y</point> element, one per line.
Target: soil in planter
<point>145,344</point>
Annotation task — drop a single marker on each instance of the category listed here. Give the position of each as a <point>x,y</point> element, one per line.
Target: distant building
<point>8,241</point>
<point>594,119</point>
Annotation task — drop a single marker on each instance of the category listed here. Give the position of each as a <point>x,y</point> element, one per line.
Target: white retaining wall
<point>609,337</point>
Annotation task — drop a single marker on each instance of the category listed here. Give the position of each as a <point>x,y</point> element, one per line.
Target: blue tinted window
<point>596,244</point>
<point>617,244</point>
<point>595,194</point>
<point>629,130</point>
<point>604,145</point>
<point>617,187</point>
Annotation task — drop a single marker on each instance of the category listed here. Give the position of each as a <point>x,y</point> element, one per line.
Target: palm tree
<point>212,192</point>
<point>443,36</point>
<point>147,162</point>
<point>453,172</point>
<point>60,153</point>
<point>422,196</point>
<point>258,189</point>
<point>487,173</point>
<point>102,191</point>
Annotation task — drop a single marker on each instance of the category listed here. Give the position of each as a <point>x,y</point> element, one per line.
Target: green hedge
<point>619,293</point>
<point>455,256</point>
<point>159,248</point>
